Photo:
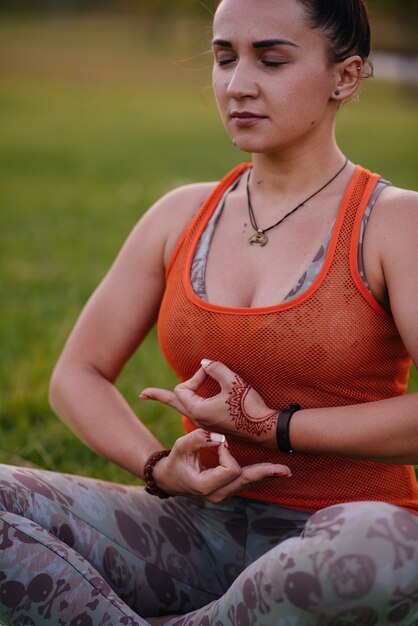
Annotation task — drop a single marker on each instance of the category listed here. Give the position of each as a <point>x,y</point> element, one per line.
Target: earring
<point>337,93</point>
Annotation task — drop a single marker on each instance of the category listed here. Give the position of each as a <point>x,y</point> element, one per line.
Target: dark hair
<point>344,23</point>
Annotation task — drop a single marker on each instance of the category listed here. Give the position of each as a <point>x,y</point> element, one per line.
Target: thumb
<point>164,396</point>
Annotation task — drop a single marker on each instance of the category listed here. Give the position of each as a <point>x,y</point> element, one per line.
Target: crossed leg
<point>81,552</point>
<point>355,564</point>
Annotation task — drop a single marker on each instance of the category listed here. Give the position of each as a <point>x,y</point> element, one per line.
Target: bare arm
<point>111,327</point>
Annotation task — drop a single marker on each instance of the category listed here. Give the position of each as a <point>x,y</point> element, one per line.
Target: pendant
<point>258,237</point>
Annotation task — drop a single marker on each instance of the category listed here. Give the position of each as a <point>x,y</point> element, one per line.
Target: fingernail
<point>205,362</point>
<point>143,396</point>
<point>286,474</point>
<point>217,437</point>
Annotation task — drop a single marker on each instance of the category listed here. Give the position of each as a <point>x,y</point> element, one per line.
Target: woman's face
<point>272,80</point>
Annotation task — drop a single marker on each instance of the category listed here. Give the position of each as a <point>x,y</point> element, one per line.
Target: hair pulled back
<point>344,23</point>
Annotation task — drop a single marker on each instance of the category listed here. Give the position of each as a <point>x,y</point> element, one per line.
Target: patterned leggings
<point>82,552</point>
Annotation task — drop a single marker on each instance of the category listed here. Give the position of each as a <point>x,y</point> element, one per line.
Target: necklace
<point>260,236</point>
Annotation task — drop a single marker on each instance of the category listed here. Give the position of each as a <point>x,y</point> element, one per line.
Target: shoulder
<point>390,252</point>
<point>393,198</point>
<point>184,199</point>
<point>166,219</point>
<point>393,232</point>
<point>397,227</point>
<point>179,207</point>
<point>396,222</point>
<point>395,214</point>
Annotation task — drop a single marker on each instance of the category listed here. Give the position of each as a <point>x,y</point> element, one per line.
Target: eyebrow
<point>268,43</point>
<point>265,43</point>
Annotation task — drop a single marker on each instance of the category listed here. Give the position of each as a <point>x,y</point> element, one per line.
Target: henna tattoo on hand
<point>242,419</point>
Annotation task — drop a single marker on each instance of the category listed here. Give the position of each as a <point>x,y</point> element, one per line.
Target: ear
<point>348,74</point>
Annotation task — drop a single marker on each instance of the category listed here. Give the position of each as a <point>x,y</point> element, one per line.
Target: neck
<point>293,175</point>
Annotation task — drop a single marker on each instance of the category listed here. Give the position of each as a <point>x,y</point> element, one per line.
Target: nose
<point>241,84</point>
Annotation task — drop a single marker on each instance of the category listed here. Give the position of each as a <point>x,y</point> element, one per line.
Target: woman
<point>292,327</point>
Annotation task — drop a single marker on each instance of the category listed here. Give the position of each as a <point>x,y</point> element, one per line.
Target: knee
<point>362,552</point>
<point>381,532</point>
<point>21,489</point>
<point>9,496</point>
<point>362,522</point>
<point>368,550</point>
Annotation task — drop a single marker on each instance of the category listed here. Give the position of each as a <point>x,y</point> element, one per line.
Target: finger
<point>196,440</point>
<point>195,381</point>
<point>186,393</point>
<point>254,473</point>
<point>249,476</point>
<point>219,477</point>
<point>186,451</point>
<point>260,471</point>
<point>213,478</point>
<point>219,372</point>
<point>164,396</point>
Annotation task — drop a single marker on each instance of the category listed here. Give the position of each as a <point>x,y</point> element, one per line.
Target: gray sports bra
<point>198,270</point>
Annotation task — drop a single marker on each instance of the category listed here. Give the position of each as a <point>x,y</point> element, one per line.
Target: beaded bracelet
<point>151,487</point>
<point>282,428</point>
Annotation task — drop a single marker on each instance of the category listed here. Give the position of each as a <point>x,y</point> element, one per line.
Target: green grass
<point>97,119</point>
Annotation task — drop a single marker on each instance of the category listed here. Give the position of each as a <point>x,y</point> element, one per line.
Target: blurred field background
<point>102,111</point>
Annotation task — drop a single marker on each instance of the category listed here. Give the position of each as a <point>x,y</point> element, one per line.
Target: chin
<point>245,143</point>
<point>252,147</point>
<point>254,142</point>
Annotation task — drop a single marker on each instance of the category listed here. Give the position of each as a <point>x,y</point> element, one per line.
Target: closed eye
<point>274,63</point>
<point>266,63</point>
<point>224,61</point>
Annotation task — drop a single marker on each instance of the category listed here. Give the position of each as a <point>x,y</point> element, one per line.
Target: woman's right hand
<point>181,472</point>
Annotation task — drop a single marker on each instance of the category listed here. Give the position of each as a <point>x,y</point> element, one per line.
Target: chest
<point>242,274</point>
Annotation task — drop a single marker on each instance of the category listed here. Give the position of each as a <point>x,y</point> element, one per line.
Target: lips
<point>244,119</point>
<point>246,115</point>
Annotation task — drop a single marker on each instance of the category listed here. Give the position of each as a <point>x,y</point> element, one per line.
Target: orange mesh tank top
<point>332,345</point>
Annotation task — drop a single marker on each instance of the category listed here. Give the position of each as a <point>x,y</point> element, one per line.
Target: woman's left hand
<point>237,409</point>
